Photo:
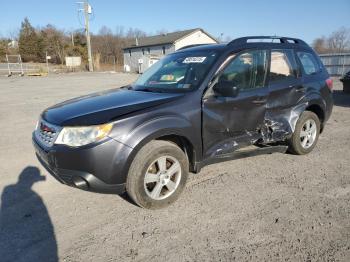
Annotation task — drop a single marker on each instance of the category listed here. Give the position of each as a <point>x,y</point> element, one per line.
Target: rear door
<point>232,122</point>
<point>284,81</point>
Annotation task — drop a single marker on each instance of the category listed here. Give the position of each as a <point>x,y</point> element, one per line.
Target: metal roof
<point>169,38</point>
<point>335,54</point>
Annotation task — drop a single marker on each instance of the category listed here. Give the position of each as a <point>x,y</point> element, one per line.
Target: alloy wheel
<point>308,134</point>
<point>162,177</point>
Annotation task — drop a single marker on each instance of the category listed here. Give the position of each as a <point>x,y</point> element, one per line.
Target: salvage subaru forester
<point>197,106</point>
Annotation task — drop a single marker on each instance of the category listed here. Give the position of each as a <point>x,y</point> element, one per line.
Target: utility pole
<point>87,10</point>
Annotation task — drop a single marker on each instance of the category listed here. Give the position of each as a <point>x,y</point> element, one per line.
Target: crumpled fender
<point>280,124</point>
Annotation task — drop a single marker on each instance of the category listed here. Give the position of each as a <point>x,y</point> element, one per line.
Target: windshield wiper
<point>143,89</point>
<point>136,88</point>
<point>147,89</point>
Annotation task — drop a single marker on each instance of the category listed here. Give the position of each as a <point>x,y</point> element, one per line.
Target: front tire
<point>157,175</point>
<point>306,133</point>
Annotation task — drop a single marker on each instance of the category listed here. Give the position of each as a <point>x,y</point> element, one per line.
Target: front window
<point>247,70</point>
<point>179,71</point>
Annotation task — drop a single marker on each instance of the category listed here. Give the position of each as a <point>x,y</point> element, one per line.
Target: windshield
<point>178,71</point>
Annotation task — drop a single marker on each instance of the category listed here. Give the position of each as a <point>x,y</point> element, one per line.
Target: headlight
<point>80,136</point>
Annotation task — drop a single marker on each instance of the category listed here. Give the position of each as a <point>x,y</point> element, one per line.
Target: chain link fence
<point>110,64</point>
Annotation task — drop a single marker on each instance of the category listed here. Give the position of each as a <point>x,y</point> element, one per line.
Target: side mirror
<point>226,89</point>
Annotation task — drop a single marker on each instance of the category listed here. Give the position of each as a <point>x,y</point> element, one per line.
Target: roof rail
<point>189,46</point>
<point>282,39</point>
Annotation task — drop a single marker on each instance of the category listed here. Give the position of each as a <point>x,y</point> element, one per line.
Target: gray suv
<point>197,106</point>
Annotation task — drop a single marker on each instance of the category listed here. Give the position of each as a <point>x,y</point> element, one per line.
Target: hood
<point>103,107</point>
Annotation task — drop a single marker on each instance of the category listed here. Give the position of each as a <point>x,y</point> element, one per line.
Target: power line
<point>79,18</point>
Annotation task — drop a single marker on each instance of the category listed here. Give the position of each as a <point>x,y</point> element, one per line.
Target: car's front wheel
<point>306,134</point>
<point>157,175</point>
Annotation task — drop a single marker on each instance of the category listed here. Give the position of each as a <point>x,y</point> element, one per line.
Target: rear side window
<point>283,66</point>
<point>309,63</point>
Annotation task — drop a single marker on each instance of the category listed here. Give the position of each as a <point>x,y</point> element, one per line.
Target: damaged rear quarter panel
<point>280,124</point>
<point>284,109</point>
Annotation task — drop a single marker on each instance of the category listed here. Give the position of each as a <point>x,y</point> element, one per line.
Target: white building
<point>13,44</point>
<point>143,52</point>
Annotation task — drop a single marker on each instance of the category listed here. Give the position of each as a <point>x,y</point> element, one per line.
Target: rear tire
<point>157,175</point>
<point>306,133</point>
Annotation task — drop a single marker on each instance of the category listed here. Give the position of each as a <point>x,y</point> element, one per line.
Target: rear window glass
<point>309,63</point>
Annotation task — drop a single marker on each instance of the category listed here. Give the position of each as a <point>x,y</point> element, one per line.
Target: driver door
<point>232,122</point>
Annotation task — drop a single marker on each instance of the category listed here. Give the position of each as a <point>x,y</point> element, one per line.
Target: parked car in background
<point>197,106</point>
<point>346,82</point>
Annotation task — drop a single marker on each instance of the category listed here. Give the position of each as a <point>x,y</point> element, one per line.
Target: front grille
<point>46,133</point>
<point>47,137</point>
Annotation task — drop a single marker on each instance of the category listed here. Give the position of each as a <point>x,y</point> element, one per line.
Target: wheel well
<point>185,145</point>
<point>318,111</point>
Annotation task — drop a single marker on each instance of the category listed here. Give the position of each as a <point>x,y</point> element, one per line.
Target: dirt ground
<point>276,207</point>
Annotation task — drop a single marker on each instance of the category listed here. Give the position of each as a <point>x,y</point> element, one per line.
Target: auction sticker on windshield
<point>189,60</point>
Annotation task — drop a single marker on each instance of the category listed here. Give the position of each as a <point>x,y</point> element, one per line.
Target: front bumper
<point>97,168</point>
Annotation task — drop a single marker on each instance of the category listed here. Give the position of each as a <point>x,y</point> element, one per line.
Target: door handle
<point>259,101</point>
<point>300,89</point>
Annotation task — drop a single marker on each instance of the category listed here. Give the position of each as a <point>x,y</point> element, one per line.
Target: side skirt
<point>243,153</point>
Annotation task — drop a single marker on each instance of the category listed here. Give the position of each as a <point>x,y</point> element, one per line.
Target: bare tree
<point>105,44</point>
<point>339,40</point>
<point>119,31</point>
<point>320,45</point>
<point>135,33</point>
<point>55,42</point>
<point>108,45</point>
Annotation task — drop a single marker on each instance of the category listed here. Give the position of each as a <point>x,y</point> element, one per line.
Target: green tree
<point>77,50</point>
<point>31,44</point>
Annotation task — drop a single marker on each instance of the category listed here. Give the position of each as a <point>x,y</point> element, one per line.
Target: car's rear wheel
<point>157,175</point>
<point>306,134</point>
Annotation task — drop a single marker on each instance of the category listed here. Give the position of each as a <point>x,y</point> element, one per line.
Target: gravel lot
<point>276,207</point>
